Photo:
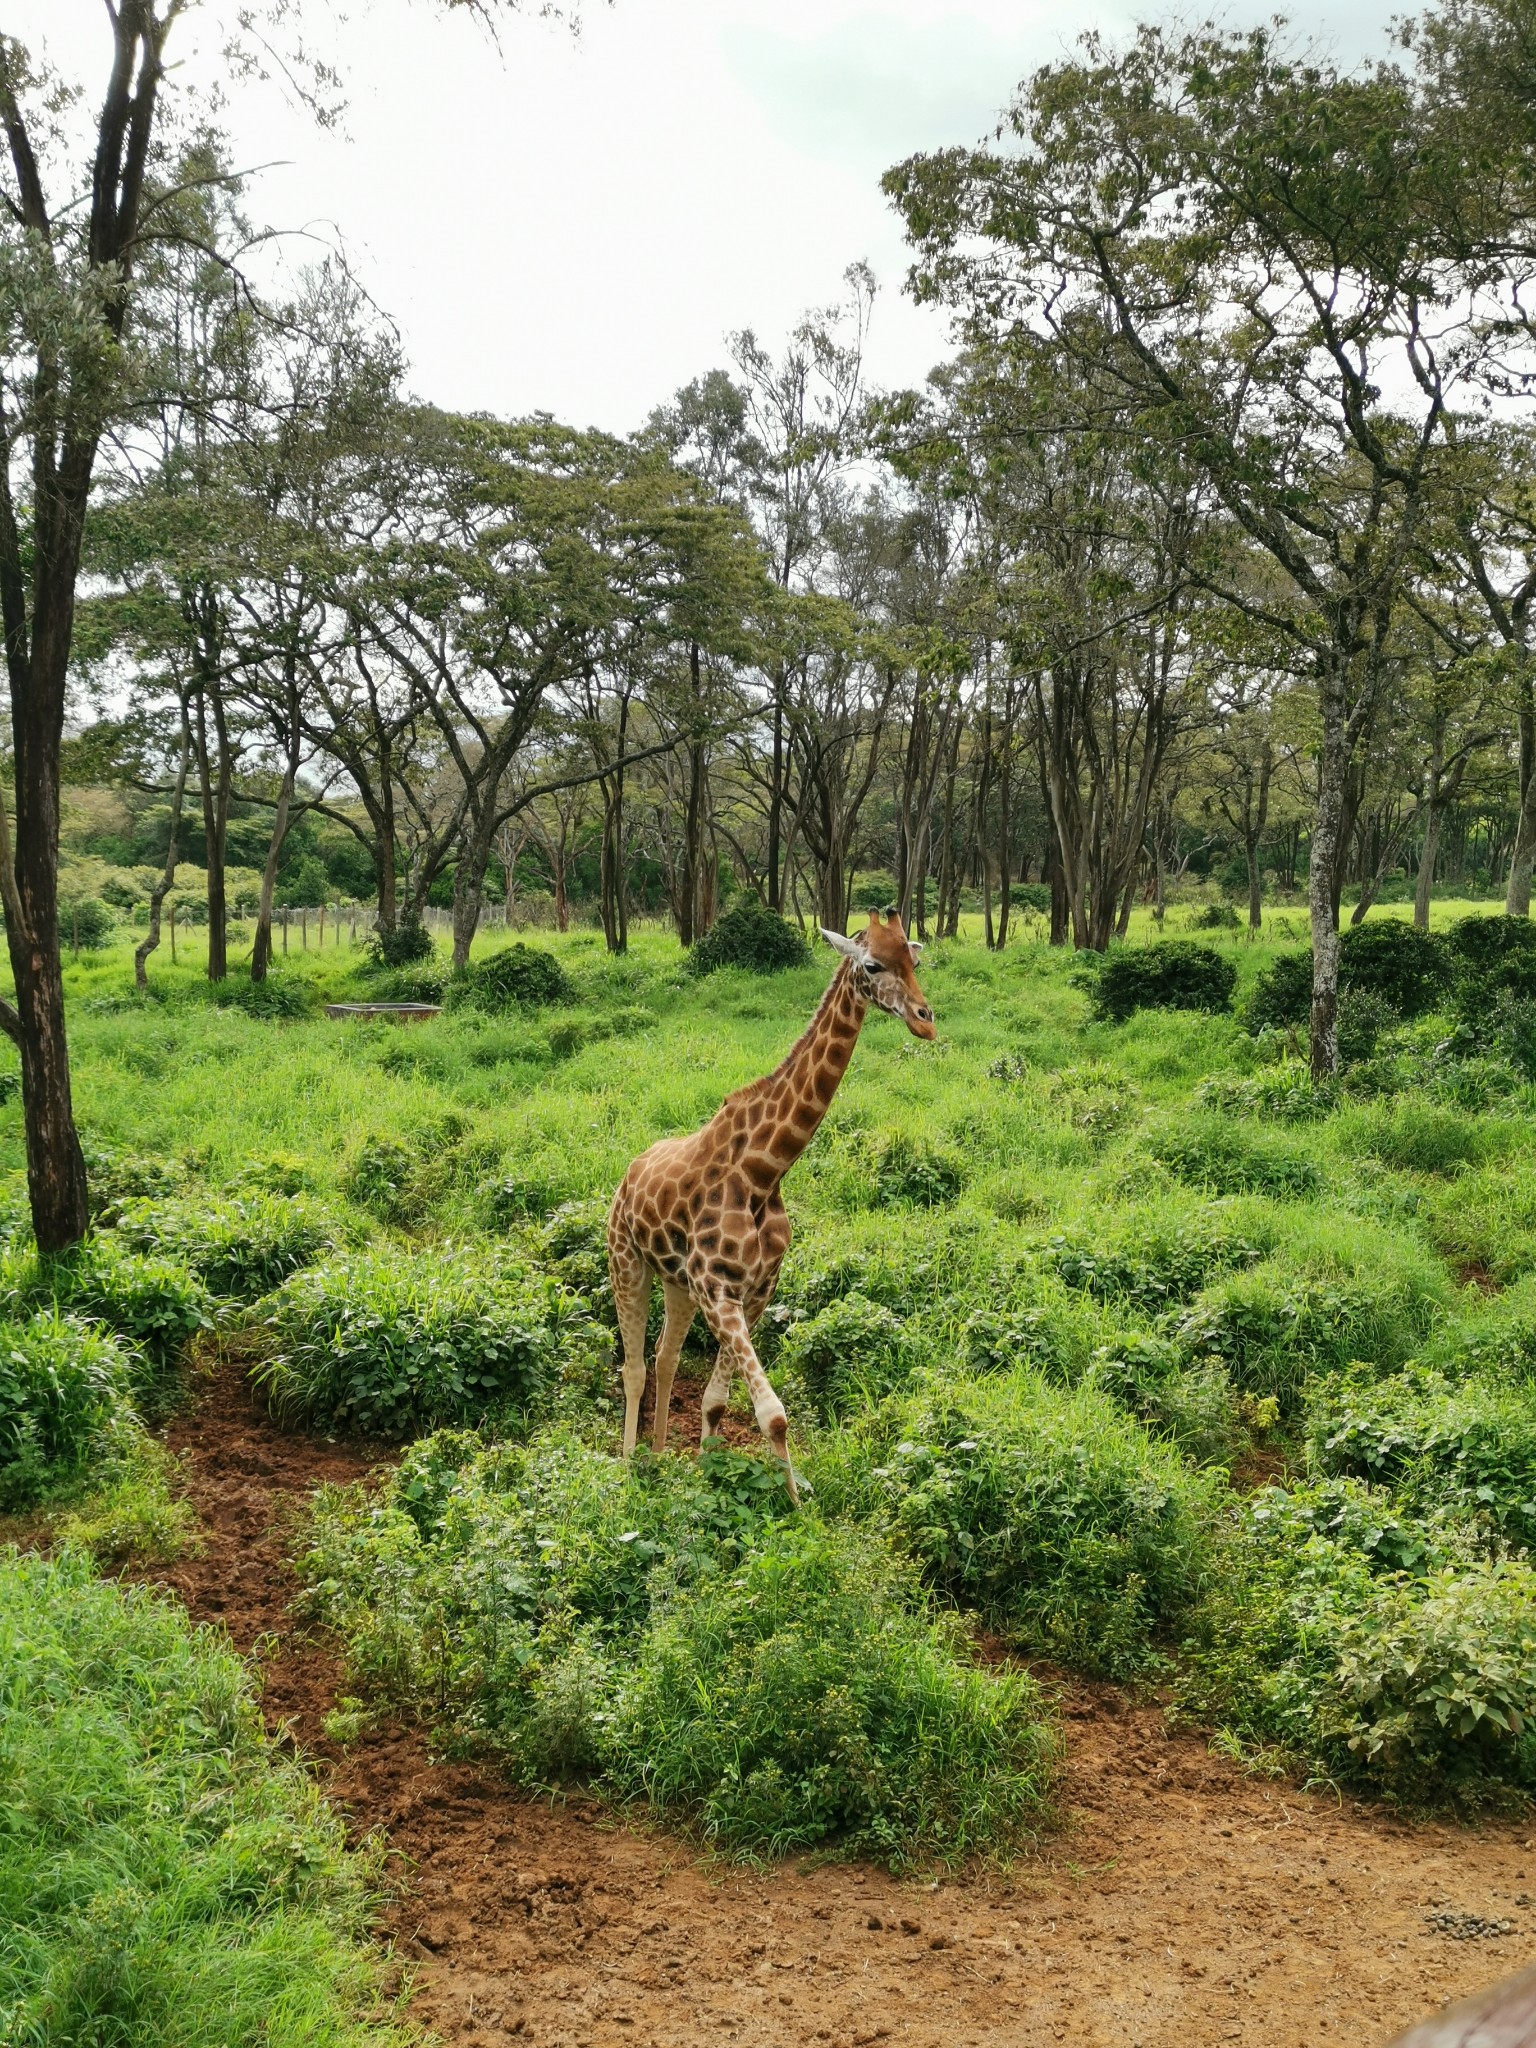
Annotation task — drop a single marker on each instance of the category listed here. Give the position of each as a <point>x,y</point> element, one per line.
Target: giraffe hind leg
<point>679,1316</point>
<point>631,1282</point>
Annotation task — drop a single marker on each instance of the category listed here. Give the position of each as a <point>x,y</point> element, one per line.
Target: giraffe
<point>703,1215</point>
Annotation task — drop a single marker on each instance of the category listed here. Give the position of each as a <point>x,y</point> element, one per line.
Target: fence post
<point>322,927</point>
<point>285,927</point>
<point>173,935</point>
<point>304,925</point>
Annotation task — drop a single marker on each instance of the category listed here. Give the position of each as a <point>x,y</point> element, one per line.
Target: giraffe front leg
<point>716,1394</point>
<point>728,1321</point>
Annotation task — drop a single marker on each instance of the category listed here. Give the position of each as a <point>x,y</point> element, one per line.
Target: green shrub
<point>1157,1260</point>
<point>1214,917</point>
<point>242,1245</point>
<point>275,998</point>
<point>912,1169</point>
<point>1053,1514</point>
<point>1365,1016</point>
<point>1367,1647</point>
<point>402,947</point>
<point>1285,1094</point>
<point>87,922</point>
<point>114,1178</point>
<point>155,1307</point>
<point>1408,969</point>
<point>1469,1449</point>
<point>168,1876</point>
<point>1272,1330</point>
<point>1212,1152</point>
<point>1176,974</point>
<point>804,1700</point>
<point>849,1354</point>
<point>1193,1405</point>
<point>1494,952</point>
<point>66,1398</point>
<point>388,1346</point>
<point>1484,1221</point>
<point>672,1628</point>
<point>752,936</point>
<point>1420,1137</point>
<point>1281,997</point>
<point>153,1304</point>
<point>519,977</point>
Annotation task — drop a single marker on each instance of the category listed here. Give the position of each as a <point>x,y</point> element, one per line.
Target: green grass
<point>1058,1286</point>
<point>164,1876</point>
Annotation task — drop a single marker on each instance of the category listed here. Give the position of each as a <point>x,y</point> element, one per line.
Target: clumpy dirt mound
<point>1183,1905</point>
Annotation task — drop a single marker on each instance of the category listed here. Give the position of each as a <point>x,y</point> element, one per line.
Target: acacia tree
<point>1246,245</point>
<point>68,371</point>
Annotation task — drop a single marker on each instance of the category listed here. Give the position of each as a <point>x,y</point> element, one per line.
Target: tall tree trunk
<point>469,888</point>
<point>166,883</point>
<point>776,792</point>
<point>1257,819</point>
<point>214,775</point>
<point>1517,891</point>
<point>1323,878</point>
<point>261,952</point>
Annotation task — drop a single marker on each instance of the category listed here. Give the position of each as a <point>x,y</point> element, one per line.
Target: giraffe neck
<point>790,1104</point>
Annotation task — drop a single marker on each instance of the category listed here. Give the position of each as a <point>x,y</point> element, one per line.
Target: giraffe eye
<point>874,967</point>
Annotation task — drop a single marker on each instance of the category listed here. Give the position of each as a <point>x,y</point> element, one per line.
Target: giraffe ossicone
<point>703,1214</point>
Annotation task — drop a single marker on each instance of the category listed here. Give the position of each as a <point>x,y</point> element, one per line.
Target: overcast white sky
<point>574,224</point>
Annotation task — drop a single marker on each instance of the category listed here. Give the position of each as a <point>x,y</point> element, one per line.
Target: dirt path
<point>1185,1905</point>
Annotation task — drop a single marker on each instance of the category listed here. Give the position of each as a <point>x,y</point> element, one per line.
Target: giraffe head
<point>881,960</point>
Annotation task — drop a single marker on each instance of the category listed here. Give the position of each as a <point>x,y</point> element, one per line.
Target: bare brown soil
<point>1183,1905</point>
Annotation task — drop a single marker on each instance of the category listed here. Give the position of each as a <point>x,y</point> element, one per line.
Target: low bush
<point>1053,1514</point>
<point>519,977</point>
<point>1421,1137</point>
<point>1484,1221</point>
<point>1273,1330</point>
<point>88,923</point>
<point>849,1354</point>
<point>913,1169</point>
<point>66,1400</point>
<point>402,947</point>
<point>1156,1259</point>
<point>1285,1094</point>
<point>1214,917</point>
<point>1368,1648</point>
<point>805,1700</point>
<point>168,1875</point>
<point>1404,970</point>
<point>389,1346</point>
<point>1176,974</point>
<point>1211,1152</point>
<point>670,1627</point>
<point>752,936</point>
<point>1468,1449</point>
<point>275,998</point>
<point>153,1305</point>
<point>241,1246</point>
<point>1494,953</point>
<point>1410,970</point>
<point>1281,997</point>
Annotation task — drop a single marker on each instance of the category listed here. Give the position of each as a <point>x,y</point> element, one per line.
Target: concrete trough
<point>397,1013</point>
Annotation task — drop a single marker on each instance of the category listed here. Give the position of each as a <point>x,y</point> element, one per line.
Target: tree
<point>67,372</point>
<point>1258,234</point>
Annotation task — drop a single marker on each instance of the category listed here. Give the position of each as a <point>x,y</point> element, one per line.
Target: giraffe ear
<point>841,943</point>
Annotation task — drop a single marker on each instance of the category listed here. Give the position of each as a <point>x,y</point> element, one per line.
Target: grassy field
<point>1119,1340</point>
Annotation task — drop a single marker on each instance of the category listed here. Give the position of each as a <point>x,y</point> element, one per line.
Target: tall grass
<point>165,1876</point>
